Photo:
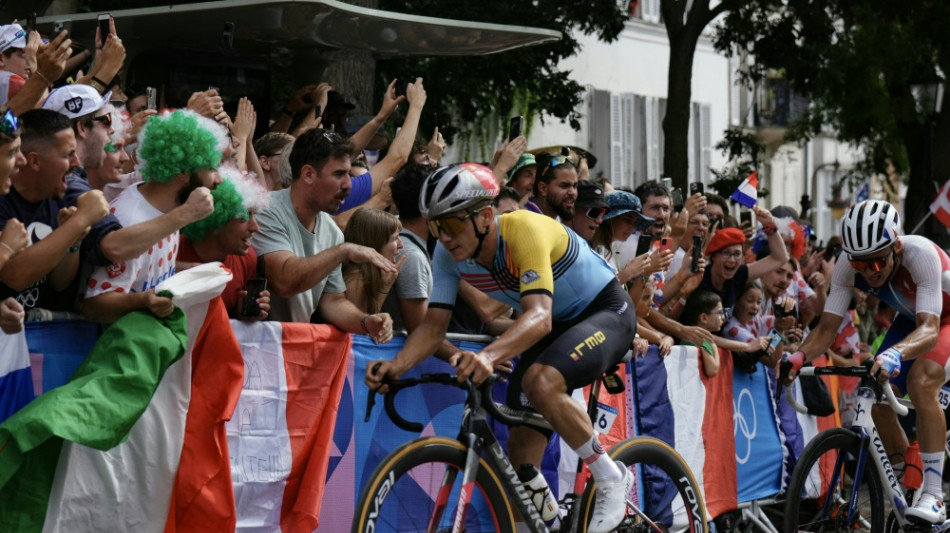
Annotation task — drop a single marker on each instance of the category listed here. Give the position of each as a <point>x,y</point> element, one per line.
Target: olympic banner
<point>757,439</point>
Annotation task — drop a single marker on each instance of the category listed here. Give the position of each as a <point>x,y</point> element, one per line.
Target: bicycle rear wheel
<point>822,484</point>
<point>665,490</point>
<point>416,487</point>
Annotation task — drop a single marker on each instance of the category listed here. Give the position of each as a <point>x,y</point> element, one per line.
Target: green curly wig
<point>228,205</point>
<point>175,143</point>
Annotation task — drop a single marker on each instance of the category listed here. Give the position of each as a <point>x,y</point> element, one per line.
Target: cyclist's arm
<point>922,339</point>
<point>820,338</point>
<point>533,324</point>
<point>423,341</point>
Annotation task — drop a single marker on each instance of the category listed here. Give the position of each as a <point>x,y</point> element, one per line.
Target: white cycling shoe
<point>929,508</point>
<point>610,504</point>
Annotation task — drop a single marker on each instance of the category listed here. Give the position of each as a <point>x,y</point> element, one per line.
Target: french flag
<point>747,193</point>
<point>941,206</point>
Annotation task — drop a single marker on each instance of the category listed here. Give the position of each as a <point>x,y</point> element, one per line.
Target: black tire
<point>400,495</point>
<point>804,511</point>
<point>656,465</point>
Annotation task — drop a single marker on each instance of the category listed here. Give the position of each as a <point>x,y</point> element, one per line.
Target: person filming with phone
<point>910,274</point>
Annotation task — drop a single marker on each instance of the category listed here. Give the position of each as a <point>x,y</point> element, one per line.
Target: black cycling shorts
<point>584,347</point>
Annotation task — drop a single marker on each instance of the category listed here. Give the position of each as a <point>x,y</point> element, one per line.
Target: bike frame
<point>871,446</point>
<point>476,433</point>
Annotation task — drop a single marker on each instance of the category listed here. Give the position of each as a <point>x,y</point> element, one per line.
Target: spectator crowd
<point>104,197</point>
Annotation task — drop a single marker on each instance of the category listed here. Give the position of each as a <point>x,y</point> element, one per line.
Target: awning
<point>276,27</point>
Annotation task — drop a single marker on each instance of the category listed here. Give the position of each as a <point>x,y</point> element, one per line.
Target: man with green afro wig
<point>225,236</point>
<point>179,153</point>
<point>179,142</point>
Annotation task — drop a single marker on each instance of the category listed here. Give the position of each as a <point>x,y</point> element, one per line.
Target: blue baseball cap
<point>621,202</point>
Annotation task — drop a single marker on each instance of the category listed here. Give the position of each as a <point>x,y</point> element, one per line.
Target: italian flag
<point>140,438</point>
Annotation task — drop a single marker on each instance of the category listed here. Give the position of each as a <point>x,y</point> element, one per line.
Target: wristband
<point>889,359</point>
<point>770,229</point>
<point>7,246</point>
<point>797,359</point>
<point>74,249</point>
<point>363,323</point>
<point>103,86</point>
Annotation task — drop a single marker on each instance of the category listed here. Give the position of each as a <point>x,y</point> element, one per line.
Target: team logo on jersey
<point>529,277</point>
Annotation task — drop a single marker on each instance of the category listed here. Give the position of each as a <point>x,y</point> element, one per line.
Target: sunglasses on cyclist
<point>451,226</point>
<point>596,212</point>
<point>556,161</point>
<point>9,123</point>
<point>105,119</point>
<point>875,264</point>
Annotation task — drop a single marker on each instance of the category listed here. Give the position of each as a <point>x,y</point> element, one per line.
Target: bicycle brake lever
<point>371,396</point>
<point>784,369</point>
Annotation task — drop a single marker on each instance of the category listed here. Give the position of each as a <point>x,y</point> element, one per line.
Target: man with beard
<point>555,188</point>
<point>301,249</point>
<point>180,152</point>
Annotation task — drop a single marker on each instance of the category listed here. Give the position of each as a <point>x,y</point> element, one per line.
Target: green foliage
<point>854,60</point>
<point>471,98</point>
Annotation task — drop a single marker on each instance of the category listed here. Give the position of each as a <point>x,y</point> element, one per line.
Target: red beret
<point>725,237</point>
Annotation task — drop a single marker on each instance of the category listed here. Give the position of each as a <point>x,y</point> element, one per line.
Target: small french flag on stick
<point>747,193</point>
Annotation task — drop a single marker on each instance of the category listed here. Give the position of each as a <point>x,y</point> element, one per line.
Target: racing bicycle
<point>843,475</point>
<point>438,484</point>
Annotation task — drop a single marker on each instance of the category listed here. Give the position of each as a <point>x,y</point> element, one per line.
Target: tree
<point>856,61</point>
<point>475,96</point>
<point>685,22</point>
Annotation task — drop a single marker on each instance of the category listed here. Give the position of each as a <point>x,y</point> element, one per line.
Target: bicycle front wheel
<point>665,490</point>
<point>822,491</point>
<point>416,489</point>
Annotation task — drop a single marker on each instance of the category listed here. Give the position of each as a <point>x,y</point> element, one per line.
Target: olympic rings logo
<point>741,424</point>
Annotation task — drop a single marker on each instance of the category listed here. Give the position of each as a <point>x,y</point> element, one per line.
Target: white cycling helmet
<point>457,187</point>
<point>869,226</point>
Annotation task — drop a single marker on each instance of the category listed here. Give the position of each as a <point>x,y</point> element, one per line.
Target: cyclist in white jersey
<point>912,275</point>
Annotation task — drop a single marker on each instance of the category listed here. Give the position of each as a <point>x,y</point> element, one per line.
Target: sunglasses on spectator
<point>596,212</point>
<point>874,264</point>
<point>332,137</point>
<point>556,161</point>
<point>451,226</point>
<point>105,119</point>
<point>9,123</point>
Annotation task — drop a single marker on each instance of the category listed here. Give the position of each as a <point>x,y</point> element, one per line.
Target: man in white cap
<point>91,116</point>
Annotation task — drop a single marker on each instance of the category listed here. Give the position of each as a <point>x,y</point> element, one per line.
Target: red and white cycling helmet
<point>457,187</point>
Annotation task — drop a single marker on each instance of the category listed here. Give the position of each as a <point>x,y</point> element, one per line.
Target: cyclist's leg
<point>926,376</point>
<point>584,350</point>
<point>885,419</point>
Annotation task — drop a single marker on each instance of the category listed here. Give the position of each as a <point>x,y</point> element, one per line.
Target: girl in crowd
<point>366,286</point>
<point>704,309</point>
<point>619,224</point>
<point>748,325</point>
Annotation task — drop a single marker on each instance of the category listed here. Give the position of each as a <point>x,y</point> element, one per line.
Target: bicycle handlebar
<point>482,395</point>
<point>860,371</point>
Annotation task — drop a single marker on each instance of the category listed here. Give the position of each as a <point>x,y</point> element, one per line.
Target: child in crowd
<point>749,325</point>
<point>366,286</point>
<point>704,309</point>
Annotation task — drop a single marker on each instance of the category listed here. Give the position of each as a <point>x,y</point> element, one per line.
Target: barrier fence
<point>303,395</point>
